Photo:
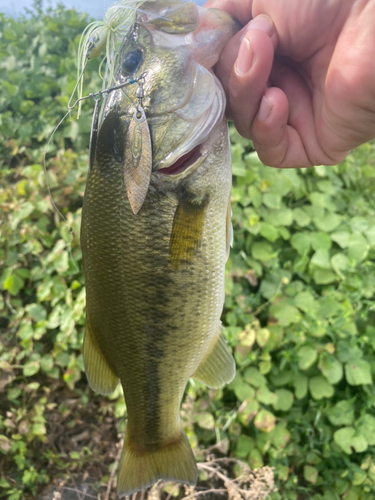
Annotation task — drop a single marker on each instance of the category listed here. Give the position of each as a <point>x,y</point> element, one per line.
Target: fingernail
<point>262,23</point>
<point>265,109</point>
<point>244,58</point>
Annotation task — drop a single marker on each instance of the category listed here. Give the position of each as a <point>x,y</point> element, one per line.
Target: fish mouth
<point>194,149</point>
<point>183,163</point>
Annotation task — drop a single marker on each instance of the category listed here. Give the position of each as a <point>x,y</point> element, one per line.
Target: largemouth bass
<point>156,233</point>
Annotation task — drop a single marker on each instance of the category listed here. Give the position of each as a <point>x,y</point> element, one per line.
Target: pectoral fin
<point>217,367</point>
<point>99,374</point>
<point>186,232</point>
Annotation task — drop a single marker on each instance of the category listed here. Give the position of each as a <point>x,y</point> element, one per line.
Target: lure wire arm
<point>98,95</point>
<point>76,86</point>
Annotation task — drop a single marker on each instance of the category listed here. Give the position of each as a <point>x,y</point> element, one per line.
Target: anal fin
<point>218,366</point>
<point>99,374</point>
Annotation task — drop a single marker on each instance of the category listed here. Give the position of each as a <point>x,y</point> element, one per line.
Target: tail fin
<point>141,469</point>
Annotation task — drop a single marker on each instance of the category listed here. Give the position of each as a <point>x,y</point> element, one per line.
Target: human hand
<point>313,100</point>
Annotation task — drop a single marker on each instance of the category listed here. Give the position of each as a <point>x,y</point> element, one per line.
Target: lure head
<point>174,46</point>
<point>96,42</point>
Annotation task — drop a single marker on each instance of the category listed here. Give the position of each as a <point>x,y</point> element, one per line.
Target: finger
<point>230,52</point>
<point>248,79</point>
<point>288,139</point>
<point>255,32</point>
<point>277,143</point>
<point>240,10</point>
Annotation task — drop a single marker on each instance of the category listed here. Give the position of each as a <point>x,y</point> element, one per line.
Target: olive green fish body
<point>155,289</point>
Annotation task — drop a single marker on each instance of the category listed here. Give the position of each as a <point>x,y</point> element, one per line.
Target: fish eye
<point>132,61</point>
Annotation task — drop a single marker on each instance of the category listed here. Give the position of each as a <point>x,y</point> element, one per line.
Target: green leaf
<point>306,302</point>
<point>328,223</point>
<point>241,389</point>
<point>330,367</point>
<point>370,235</point>
<point>272,200</point>
<point>284,400</point>
<point>247,411</point>
<point>320,241</point>
<point>265,396</point>
<point>310,474</point>
<point>36,312</point>
<point>262,251</point>
<point>206,421</point>
<point>283,232</point>
<point>322,277</point>
<point>31,368</point>
<point>321,259</point>
<point>26,332</point>
<point>13,284</point>
<point>346,352</point>
<point>253,377</point>
<point>320,388</point>
<point>255,196</point>
<point>359,443</point>
<point>262,336</point>
<point>300,386</point>
<point>26,209</point>
<point>341,238</point>
<point>10,34</point>
<point>46,363</point>
<point>301,243</point>
<point>281,217</point>
<point>358,372</point>
<point>340,262</point>
<point>279,436</point>
<point>357,247</point>
<point>328,307</point>
<point>244,446</point>
<point>301,217</point>
<point>359,477</point>
<point>238,165</point>
<point>268,288</point>
<point>306,357</point>
<point>265,421</point>
<point>343,438</point>
<point>342,413</point>
<point>359,224</point>
<point>255,459</point>
<point>366,427</point>
<point>285,313</point>
<point>269,232</point>
<point>39,429</point>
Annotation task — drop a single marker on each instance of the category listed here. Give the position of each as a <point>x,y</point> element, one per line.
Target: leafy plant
<point>299,307</point>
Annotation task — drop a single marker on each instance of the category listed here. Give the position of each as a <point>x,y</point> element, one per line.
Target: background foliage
<point>299,309</point>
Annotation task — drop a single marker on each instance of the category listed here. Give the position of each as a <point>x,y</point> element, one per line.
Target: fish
<point>156,233</point>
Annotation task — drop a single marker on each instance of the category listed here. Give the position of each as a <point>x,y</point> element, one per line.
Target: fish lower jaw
<point>188,163</point>
<point>185,165</point>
